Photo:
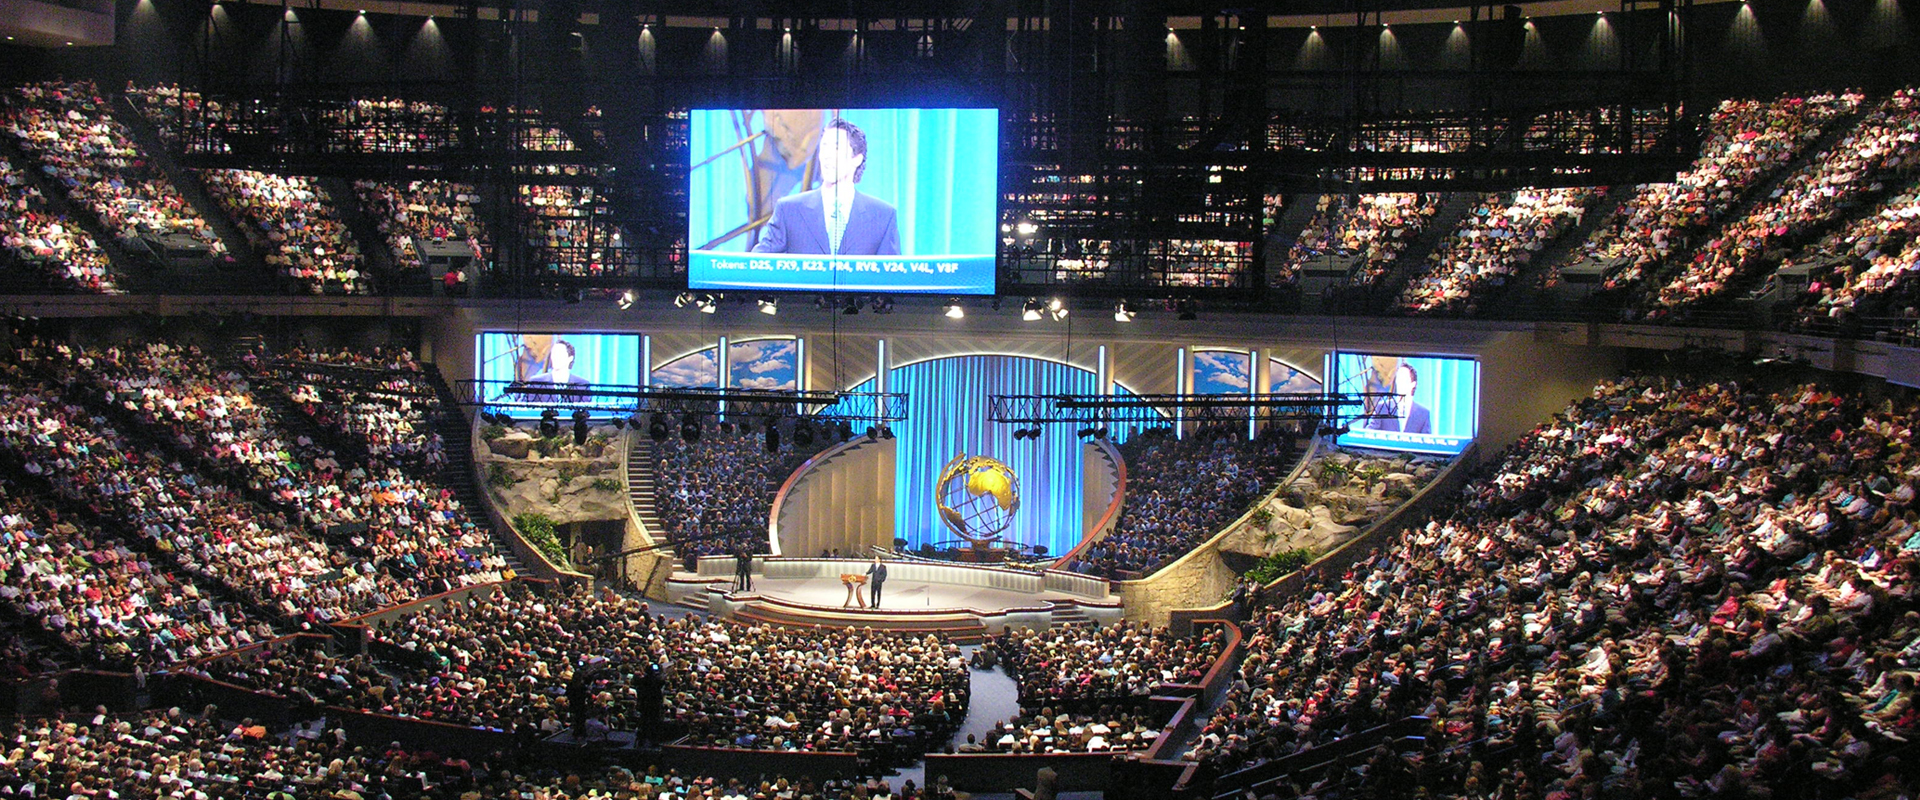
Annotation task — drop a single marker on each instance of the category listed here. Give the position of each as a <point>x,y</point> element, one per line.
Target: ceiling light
<point>852,307</point>
<point>1058,309</point>
<point>683,299</point>
<point>626,300</point>
<point>1123,312</point>
<point>769,306</point>
<point>1031,311</point>
<point>709,303</point>
<point>954,310</point>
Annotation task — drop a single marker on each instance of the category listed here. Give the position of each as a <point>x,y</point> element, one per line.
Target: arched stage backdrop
<point>949,416</point>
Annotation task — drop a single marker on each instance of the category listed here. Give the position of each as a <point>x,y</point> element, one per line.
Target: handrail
<point>1114,507</point>
<point>780,497</point>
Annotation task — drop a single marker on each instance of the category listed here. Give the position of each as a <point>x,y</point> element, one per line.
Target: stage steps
<point>641,485</point>
<point>961,629</point>
<point>1068,615</point>
<point>456,440</point>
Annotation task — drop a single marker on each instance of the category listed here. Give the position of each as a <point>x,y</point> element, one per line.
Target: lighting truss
<point>867,407</point>
<point>1161,409</point>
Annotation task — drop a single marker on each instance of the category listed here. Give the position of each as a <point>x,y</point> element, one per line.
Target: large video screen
<point>525,372</point>
<point>897,200</point>
<point>1433,403</point>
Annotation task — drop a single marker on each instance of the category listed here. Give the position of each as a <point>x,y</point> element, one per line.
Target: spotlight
<point>709,303</point>
<point>683,299</point>
<point>690,428</point>
<point>769,306</point>
<point>619,423</point>
<point>954,311</point>
<point>657,429</point>
<point>802,433</point>
<point>579,428</point>
<point>1031,311</point>
<point>626,300</point>
<point>1100,433</point>
<point>1189,310</point>
<point>1084,433</point>
<point>852,307</point>
<point>882,305</point>
<point>773,437</point>
<point>1057,308</point>
<point>549,423</point>
<point>1124,311</point>
<point>846,430</point>
<point>886,432</point>
<point>1019,433</point>
<point>873,432</point>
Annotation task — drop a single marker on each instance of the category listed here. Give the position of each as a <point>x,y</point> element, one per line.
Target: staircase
<point>1413,260</point>
<point>247,272</point>
<point>1070,615</point>
<point>641,487</point>
<point>1286,229</point>
<point>353,214</point>
<point>54,193</point>
<point>456,439</point>
<point>1527,293</point>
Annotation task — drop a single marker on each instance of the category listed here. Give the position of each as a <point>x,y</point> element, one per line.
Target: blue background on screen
<point>938,167</point>
<point>602,358</point>
<point>1448,387</point>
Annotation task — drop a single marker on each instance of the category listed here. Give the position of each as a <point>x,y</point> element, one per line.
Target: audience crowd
<point>110,603</point>
<point>69,129</point>
<point>292,221</point>
<point>508,662</point>
<point>382,403</point>
<point>1180,492</point>
<point>1081,667</point>
<point>54,243</point>
<point>1495,241</point>
<point>574,232</point>
<point>1869,264</point>
<point>433,210</point>
<point>387,125</point>
<point>1878,149</point>
<point>715,495</point>
<point>1366,232</point>
<point>1677,587</point>
<point>1744,141</point>
<point>173,754</point>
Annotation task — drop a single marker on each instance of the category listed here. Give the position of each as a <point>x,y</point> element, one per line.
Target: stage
<point>965,601</point>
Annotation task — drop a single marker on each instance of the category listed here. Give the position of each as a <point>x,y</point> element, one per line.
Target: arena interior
<point>1330,399</point>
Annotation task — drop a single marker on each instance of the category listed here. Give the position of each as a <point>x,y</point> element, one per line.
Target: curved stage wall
<point>947,421</point>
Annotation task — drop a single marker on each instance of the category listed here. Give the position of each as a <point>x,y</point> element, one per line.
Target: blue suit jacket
<point>1418,421</point>
<point>799,226</point>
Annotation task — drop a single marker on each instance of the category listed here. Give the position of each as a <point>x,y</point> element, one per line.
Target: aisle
<point>996,699</point>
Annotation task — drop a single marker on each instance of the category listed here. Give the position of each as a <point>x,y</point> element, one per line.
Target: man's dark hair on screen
<point>856,138</point>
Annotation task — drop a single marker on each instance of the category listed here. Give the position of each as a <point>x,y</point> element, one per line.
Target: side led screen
<point>898,200</point>
<point>1430,404</point>
<point>521,371</point>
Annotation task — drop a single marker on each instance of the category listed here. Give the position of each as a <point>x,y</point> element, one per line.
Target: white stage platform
<point>917,595</point>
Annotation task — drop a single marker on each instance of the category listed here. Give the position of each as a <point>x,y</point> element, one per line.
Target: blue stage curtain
<point>949,416</point>
<point>938,167</point>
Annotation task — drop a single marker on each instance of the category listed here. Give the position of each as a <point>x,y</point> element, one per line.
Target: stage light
<point>657,429</point>
<point>954,310</point>
<point>773,437</point>
<point>1189,310</point>
<point>1019,433</point>
<point>1100,433</point>
<point>1031,311</point>
<point>709,303</point>
<point>846,430</point>
<point>873,432</point>
<point>683,299</point>
<point>619,423</point>
<point>802,433</point>
<point>852,307</point>
<point>886,432</point>
<point>1124,311</point>
<point>769,306</point>
<point>580,428</point>
<point>1084,433</point>
<point>690,428</point>
<point>549,423</point>
<point>626,300</point>
<point>882,305</point>
<point>1058,309</point>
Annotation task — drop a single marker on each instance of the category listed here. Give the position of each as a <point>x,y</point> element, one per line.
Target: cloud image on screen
<point>1221,372</point>
<point>763,364</point>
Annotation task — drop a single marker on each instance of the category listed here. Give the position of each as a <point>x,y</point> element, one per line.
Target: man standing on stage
<point>879,573</point>
<point>742,570</point>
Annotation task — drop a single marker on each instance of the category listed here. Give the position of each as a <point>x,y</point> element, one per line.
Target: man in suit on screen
<point>834,219</point>
<point>1408,416</point>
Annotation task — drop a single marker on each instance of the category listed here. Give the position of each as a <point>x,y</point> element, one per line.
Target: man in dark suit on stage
<point>834,219</point>
<point>879,573</point>
<point>1408,416</point>
<point>742,570</point>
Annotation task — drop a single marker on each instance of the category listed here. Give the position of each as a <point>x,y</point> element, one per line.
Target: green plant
<point>1333,473</point>
<point>547,447</point>
<point>492,432</point>
<point>540,532</point>
<point>1281,563</point>
<point>606,484</point>
<point>1261,517</point>
<point>499,476</point>
<point>567,473</point>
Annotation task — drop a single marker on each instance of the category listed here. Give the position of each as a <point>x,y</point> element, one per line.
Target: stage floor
<point>900,595</point>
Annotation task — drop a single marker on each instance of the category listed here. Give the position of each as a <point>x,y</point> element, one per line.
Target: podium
<point>853,582</point>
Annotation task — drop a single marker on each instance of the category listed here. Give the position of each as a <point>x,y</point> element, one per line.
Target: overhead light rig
<point>1088,411</point>
<point>875,408</point>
